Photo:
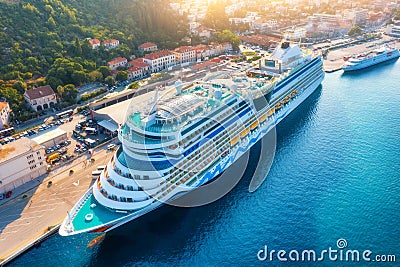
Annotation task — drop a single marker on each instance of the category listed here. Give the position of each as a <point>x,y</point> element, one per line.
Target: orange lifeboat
<point>253,125</point>
<point>244,132</point>
<point>234,140</point>
<point>263,117</point>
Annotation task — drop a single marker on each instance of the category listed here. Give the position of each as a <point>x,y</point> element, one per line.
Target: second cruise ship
<point>177,142</point>
<point>371,58</point>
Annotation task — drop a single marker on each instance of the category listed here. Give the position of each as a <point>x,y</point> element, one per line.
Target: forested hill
<point>33,33</point>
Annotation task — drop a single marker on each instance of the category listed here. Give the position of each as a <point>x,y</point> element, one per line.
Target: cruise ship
<point>371,58</point>
<point>177,139</point>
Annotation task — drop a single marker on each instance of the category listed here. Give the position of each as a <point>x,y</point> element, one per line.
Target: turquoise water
<point>335,175</point>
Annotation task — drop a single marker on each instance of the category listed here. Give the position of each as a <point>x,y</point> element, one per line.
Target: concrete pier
<point>334,59</point>
<point>36,214</point>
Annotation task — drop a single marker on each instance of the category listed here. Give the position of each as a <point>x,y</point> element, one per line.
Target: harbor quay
<point>35,214</point>
<point>334,60</point>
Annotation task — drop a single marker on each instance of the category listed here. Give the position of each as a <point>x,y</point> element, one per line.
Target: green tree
<point>216,17</point>
<point>96,76</point>
<point>51,23</point>
<point>76,48</point>
<point>121,76</point>
<point>354,31</point>
<point>20,86</point>
<point>68,93</point>
<point>79,77</point>
<point>13,97</point>
<point>228,36</point>
<point>105,71</point>
<point>109,80</point>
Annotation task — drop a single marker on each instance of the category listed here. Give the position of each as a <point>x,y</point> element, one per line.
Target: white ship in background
<point>166,146</point>
<point>371,58</point>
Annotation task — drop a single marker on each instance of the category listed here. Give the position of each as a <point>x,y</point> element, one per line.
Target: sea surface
<point>335,176</point>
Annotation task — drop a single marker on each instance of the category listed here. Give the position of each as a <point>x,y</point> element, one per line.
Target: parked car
<point>111,146</point>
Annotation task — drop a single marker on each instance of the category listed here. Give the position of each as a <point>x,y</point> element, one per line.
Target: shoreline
<point>51,203</point>
<point>334,60</point>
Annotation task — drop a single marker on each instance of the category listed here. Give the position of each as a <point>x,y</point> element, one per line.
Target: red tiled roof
<point>40,92</point>
<point>3,105</point>
<point>259,39</point>
<point>116,60</point>
<point>110,41</point>
<point>147,45</point>
<point>138,63</point>
<point>133,69</point>
<point>183,49</point>
<point>203,65</point>
<point>158,54</point>
<point>94,41</point>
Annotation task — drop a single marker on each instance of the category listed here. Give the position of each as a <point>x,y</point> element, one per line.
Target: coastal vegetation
<point>46,42</point>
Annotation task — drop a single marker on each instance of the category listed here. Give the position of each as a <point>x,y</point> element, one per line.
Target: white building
<point>322,17</point>
<point>117,62</point>
<point>20,162</point>
<point>40,98</point>
<point>147,47</point>
<point>185,54</point>
<point>110,44</point>
<point>139,63</point>
<point>50,138</point>
<point>4,114</point>
<point>135,73</point>
<point>355,16</point>
<point>393,30</point>
<point>264,25</point>
<point>295,33</point>
<point>95,43</point>
<point>160,60</point>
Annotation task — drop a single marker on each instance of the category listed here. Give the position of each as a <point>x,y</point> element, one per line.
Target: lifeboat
<point>234,140</point>
<point>244,132</point>
<point>253,125</point>
<point>271,111</point>
<point>263,117</point>
<point>286,100</point>
<point>278,106</point>
<point>294,93</point>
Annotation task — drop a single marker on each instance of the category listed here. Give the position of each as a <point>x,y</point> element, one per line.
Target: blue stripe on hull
<point>224,163</point>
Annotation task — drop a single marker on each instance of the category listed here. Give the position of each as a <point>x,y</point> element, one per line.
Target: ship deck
<point>101,215</point>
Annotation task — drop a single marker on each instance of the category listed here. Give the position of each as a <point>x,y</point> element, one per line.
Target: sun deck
<point>101,215</point>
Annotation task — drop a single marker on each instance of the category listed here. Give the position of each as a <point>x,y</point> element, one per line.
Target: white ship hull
<point>371,61</point>
<point>173,146</point>
<point>208,176</point>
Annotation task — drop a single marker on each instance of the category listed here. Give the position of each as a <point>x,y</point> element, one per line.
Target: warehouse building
<point>20,162</point>
<point>50,138</point>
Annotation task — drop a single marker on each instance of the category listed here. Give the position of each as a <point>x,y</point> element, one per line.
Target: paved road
<point>23,220</point>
